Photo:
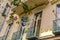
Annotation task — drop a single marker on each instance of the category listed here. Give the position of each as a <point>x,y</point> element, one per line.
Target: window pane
<point>58,15</point>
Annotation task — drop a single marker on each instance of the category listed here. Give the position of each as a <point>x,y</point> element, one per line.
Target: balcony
<point>2,38</point>
<point>56,27</point>
<point>31,35</point>
<point>15,36</point>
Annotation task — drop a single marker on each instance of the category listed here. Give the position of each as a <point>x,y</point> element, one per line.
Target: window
<point>58,11</point>
<point>58,15</point>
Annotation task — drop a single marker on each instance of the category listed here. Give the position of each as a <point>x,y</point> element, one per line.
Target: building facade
<point>39,22</point>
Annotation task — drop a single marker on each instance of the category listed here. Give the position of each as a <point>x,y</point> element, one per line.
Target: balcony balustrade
<point>56,27</point>
<point>31,34</point>
<point>16,35</point>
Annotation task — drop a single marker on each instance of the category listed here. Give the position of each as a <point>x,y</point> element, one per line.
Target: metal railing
<point>56,27</point>
<point>16,35</point>
<point>2,38</point>
<point>30,32</point>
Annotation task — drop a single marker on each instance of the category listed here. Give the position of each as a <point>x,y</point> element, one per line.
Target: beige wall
<point>47,20</point>
<point>46,24</point>
<point>15,27</point>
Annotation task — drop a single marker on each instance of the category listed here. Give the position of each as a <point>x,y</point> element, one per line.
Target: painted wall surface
<point>14,28</point>
<point>47,20</point>
<point>46,24</point>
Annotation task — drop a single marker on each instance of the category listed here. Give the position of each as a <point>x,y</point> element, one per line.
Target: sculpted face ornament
<point>23,24</point>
